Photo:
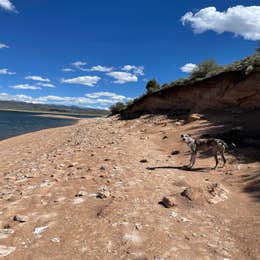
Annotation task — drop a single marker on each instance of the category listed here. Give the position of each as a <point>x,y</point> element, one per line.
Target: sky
<point>96,53</point>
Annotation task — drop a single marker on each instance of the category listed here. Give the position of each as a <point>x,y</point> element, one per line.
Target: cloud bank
<point>240,20</point>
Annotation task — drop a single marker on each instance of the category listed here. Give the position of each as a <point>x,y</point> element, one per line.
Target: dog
<point>217,146</point>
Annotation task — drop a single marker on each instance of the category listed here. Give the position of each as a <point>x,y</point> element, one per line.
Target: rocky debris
<point>168,202</point>
<point>20,218</point>
<point>218,193</point>
<point>173,214</point>
<point>6,250</point>
<point>165,137</point>
<point>103,192</point>
<point>39,230</point>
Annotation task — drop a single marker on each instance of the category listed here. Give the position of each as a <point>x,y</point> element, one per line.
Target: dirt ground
<point>93,191</point>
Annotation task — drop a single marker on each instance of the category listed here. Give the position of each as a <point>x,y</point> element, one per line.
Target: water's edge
<point>15,123</point>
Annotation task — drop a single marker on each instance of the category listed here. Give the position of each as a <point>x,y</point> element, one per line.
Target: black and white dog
<point>217,146</point>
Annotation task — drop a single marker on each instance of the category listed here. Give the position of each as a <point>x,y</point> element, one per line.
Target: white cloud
<point>122,77</point>
<point>240,20</point>
<point>7,5</point>
<point>189,67</point>
<point>48,85</point>
<point>111,95</point>
<point>84,101</point>
<point>79,65</point>
<point>3,46</point>
<point>37,78</point>
<point>6,72</point>
<point>67,70</point>
<point>25,86</point>
<point>137,70</point>
<point>101,68</point>
<point>89,81</point>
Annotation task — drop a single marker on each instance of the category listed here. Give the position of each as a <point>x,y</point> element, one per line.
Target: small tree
<point>152,85</point>
<point>204,68</point>
<point>116,108</point>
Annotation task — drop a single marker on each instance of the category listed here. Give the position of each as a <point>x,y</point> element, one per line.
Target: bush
<point>116,108</point>
<point>204,68</point>
<point>152,86</point>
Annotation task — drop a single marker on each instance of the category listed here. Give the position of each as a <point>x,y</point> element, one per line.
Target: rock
<point>194,117</point>
<point>218,193</point>
<point>193,194</point>
<point>39,230</point>
<point>143,161</point>
<point>168,202</point>
<point>20,218</point>
<point>183,219</point>
<point>174,152</point>
<point>165,137</point>
<point>103,192</point>
<point>4,233</point>
<point>81,193</point>
<point>173,214</point>
<point>102,168</point>
<point>6,250</point>
<point>55,240</point>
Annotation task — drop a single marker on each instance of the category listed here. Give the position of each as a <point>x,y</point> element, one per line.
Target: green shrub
<point>117,107</point>
<point>152,86</point>
<point>204,68</point>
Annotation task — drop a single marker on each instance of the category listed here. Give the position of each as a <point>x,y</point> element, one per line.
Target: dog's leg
<point>223,158</point>
<point>192,159</point>
<point>216,159</point>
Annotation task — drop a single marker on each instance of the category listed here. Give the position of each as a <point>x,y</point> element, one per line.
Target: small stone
<point>168,202</point>
<point>183,219</point>
<point>39,230</point>
<point>81,193</point>
<point>143,161</point>
<point>103,192</point>
<point>20,218</point>
<point>173,214</point>
<point>165,137</point>
<point>55,240</point>
<point>102,168</point>
<point>6,250</point>
<point>174,152</point>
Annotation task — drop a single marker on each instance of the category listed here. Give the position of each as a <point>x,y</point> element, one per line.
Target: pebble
<point>55,240</point>
<point>168,202</point>
<point>103,192</point>
<point>6,250</point>
<point>20,218</point>
<point>39,230</point>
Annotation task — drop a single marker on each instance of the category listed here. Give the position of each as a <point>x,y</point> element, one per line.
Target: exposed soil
<point>93,191</point>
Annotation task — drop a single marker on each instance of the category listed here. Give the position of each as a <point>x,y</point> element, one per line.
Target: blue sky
<point>94,53</point>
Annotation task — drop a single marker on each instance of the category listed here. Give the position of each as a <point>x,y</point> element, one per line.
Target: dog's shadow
<point>183,168</point>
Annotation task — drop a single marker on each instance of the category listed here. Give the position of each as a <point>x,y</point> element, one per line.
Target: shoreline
<point>52,113</point>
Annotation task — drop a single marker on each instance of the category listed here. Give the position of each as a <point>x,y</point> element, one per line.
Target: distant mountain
<point>50,108</point>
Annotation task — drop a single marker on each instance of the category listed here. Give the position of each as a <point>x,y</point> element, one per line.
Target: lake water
<point>16,123</point>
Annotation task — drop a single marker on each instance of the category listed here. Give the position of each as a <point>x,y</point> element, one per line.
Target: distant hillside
<point>50,108</point>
